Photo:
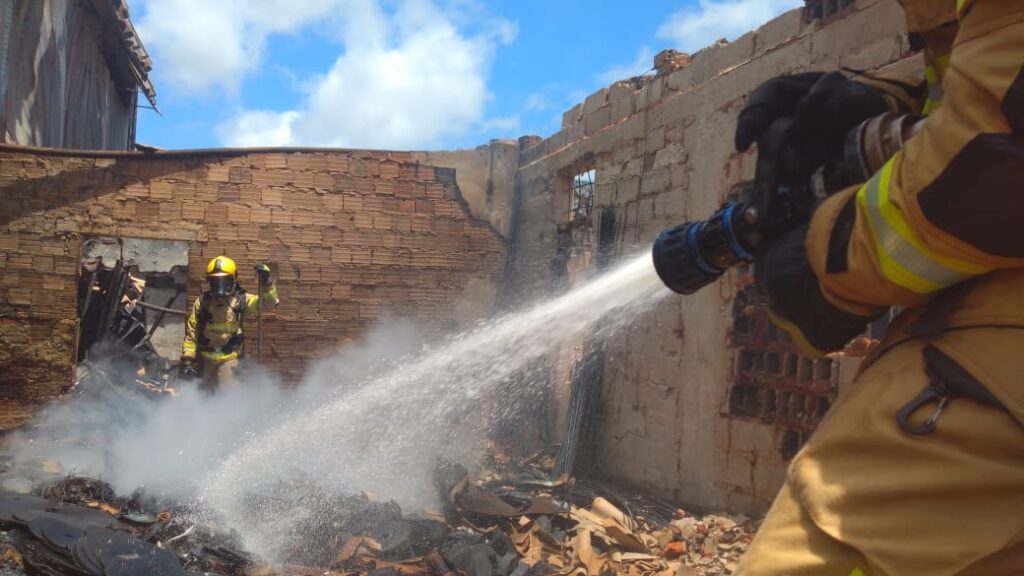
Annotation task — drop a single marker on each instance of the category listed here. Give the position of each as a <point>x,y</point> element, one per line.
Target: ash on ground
<point>509,519</point>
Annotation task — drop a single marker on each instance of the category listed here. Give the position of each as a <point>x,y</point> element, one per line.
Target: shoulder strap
<point>203,318</point>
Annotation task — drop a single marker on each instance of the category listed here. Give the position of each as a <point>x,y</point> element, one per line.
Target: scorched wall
<point>353,235</point>
<point>690,408</point>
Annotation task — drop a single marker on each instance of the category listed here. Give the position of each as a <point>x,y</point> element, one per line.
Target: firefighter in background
<point>918,469</point>
<point>213,332</point>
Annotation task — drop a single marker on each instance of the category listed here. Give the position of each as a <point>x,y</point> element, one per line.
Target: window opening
<point>131,305</point>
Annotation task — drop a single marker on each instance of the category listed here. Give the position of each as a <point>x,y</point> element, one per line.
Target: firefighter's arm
<point>188,346</point>
<point>948,207</point>
<point>269,295</point>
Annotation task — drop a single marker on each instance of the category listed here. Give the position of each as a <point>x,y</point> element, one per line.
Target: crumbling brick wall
<point>352,234</point>
<point>662,148</point>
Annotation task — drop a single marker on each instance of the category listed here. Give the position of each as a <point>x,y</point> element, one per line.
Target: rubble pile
<point>510,519</point>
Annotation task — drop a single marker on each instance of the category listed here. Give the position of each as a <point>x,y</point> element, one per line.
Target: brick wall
<point>662,148</point>
<point>352,234</point>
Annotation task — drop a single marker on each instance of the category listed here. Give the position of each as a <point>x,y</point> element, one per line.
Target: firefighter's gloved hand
<point>263,273</point>
<point>795,301</point>
<point>824,107</point>
<point>834,106</point>
<point>776,98</point>
<point>187,370</point>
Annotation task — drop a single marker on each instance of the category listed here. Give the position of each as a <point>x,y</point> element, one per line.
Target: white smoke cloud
<point>374,418</point>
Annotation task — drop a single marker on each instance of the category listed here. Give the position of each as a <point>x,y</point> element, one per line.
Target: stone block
<point>597,121</point>
<point>779,30</point>
<point>596,100</point>
<point>572,116</point>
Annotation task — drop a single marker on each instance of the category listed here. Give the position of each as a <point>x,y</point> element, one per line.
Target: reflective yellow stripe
<point>857,572</point>
<point>222,327</point>
<point>796,335</point>
<point>903,256</point>
<point>934,100</point>
<point>960,5</point>
<point>934,73</point>
<point>188,347</point>
<point>219,356</point>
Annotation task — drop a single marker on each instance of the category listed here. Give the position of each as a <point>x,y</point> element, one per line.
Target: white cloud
<point>536,101</point>
<point>202,45</point>
<point>405,80</point>
<point>691,29</point>
<point>643,62</point>
<point>507,124</point>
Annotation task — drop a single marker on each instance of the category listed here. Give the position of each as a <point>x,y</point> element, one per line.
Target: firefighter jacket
<point>947,210</point>
<point>214,328</point>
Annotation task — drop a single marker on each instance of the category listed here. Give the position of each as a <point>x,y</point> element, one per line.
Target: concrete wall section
<point>352,235</point>
<point>663,153</point>
<point>486,178</point>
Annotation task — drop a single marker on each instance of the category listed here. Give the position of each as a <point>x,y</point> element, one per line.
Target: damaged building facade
<point>700,402</point>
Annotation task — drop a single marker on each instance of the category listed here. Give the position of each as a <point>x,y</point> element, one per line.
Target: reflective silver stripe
<point>902,262</point>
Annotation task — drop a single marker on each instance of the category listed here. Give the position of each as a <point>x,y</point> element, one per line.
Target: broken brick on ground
<point>510,520</point>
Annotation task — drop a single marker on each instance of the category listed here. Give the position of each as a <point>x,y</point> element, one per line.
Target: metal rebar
<point>163,309</point>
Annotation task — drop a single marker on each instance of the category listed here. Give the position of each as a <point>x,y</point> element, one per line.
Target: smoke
<point>167,446</point>
<point>374,418</point>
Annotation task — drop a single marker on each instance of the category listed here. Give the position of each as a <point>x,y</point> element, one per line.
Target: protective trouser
<point>219,375</point>
<point>864,497</point>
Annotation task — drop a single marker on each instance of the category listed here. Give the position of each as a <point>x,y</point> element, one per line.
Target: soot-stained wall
<point>662,147</point>
<point>353,236</point>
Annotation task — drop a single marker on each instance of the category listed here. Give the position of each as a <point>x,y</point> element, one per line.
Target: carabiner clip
<point>927,396</point>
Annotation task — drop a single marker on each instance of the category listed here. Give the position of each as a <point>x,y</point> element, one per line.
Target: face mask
<point>221,284</point>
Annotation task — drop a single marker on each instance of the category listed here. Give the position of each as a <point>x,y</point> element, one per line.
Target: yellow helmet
<point>220,273</point>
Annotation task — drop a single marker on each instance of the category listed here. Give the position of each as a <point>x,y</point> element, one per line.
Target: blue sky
<point>402,74</point>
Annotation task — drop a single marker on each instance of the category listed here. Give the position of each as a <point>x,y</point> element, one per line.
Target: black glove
<point>785,277</point>
<point>776,98</point>
<point>824,107</point>
<point>263,273</point>
<point>187,369</point>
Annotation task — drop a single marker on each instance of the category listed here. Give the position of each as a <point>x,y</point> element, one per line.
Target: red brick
<point>216,213</point>
<point>148,211</point>
<point>272,197</point>
<point>312,235</point>
<point>250,195</point>
<point>389,170</point>
<point>278,216</point>
<point>323,218</point>
<point>290,236</point>
<point>353,202</point>
<point>341,254</point>
<point>362,220</point>
<point>259,215</point>
<point>298,254</point>
<point>424,207</point>
<point>183,192</point>
<point>238,214</point>
<point>223,232</point>
<point>320,254</point>
<point>170,211</point>
<point>248,232</point>
<point>218,173</point>
<point>206,192</point>
<point>274,161</point>
<point>323,180</point>
<point>159,190</point>
<point>298,162</point>
<point>228,193</point>
<point>239,175</point>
